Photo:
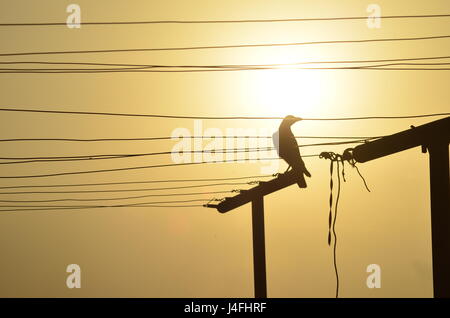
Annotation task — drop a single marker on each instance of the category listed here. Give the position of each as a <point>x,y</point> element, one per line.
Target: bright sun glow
<point>291,91</point>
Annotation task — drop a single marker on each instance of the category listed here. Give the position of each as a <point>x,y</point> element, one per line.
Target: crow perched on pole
<point>287,148</point>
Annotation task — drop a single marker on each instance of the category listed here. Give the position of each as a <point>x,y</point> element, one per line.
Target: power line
<point>134,182</point>
<point>121,156</point>
<point>363,68</point>
<point>138,168</point>
<point>128,115</point>
<point>408,69</point>
<point>213,68</point>
<point>129,190</point>
<point>225,65</point>
<point>113,199</point>
<point>127,198</point>
<point>227,46</point>
<point>175,138</point>
<point>413,64</point>
<point>209,117</point>
<point>379,117</point>
<point>145,70</point>
<point>121,205</point>
<point>223,21</point>
<point>216,69</point>
<point>225,150</point>
<point>99,207</point>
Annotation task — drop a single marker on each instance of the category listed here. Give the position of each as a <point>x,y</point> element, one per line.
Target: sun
<point>293,91</point>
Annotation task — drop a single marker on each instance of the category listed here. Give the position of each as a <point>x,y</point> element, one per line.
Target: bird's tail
<point>306,172</point>
<point>301,181</point>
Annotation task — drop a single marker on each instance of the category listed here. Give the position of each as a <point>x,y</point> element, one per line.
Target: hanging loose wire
<point>334,227</point>
<point>330,215</point>
<point>364,180</point>
<point>348,156</point>
<point>333,157</point>
<point>332,221</point>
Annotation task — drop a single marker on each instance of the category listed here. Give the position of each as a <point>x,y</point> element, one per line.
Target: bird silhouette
<point>287,149</point>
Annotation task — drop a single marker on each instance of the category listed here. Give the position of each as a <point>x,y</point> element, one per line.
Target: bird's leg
<point>287,169</point>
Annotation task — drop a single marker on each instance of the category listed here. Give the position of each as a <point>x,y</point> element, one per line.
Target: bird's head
<point>289,120</point>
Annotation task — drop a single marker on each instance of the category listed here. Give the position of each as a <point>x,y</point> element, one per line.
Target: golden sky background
<point>197,252</point>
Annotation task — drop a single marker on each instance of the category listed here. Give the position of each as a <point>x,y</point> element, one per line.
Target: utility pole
<point>259,248</point>
<point>256,196</point>
<point>434,137</point>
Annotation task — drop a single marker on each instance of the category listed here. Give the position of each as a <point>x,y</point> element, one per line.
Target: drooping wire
<point>334,228</point>
<point>333,157</point>
<point>348,156</point>
<point>364,180</point>
<point>330,215</point>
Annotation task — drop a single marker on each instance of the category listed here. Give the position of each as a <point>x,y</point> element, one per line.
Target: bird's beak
<point>296,119</point>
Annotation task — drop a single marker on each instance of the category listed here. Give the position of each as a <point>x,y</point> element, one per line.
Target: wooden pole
<point>435,136</point>
<point>259,249</point>
<point>262,189</point>
<point>440,218</point>
<point>414,137</point>
<point>256,195</point>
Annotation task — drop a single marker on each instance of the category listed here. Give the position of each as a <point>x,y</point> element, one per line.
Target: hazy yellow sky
<point>197,252</point>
